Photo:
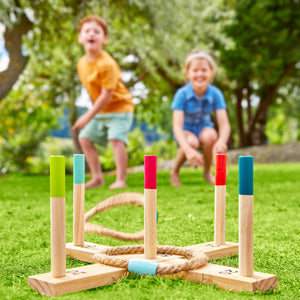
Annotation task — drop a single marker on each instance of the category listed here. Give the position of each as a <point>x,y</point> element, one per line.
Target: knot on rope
<point>194,259</point>
<point>135,199</point>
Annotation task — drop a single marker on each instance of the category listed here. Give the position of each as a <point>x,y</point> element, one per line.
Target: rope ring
<point>135,199</point>
<point>195,259</point>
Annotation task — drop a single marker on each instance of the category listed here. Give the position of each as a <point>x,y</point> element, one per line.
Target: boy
<point>111,116</point>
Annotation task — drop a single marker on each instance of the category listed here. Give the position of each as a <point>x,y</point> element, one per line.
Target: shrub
<point>25,125</point>
<point>136,148</point>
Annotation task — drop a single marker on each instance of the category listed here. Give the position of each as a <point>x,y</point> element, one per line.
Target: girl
<point>192,107</point>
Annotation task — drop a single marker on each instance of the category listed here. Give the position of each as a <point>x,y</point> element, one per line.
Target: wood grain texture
<point>246,235</point>
<point>78,214</point>
<point>150,237</point>
<point>220,214</point>
<point>58,237</point>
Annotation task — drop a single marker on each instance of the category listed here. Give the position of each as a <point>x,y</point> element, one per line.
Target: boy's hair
<point>101,22</point>
<point>199,54</point>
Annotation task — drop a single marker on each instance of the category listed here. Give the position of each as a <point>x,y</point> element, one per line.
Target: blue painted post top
<point>78,168</point>
<point>246,175</point>
<point>142,266</point>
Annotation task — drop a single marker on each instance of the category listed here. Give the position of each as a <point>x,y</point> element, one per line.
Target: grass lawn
<point>186,217</point>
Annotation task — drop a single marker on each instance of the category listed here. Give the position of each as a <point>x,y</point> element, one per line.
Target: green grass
<point>186,217</point>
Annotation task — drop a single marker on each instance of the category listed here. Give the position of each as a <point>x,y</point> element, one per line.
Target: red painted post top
<point>220,169</point>
<point>150,162</point>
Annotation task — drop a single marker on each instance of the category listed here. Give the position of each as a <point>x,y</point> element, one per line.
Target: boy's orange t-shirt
<point>104,73</point>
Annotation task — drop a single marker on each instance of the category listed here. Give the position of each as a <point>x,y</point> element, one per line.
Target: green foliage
<point>254,42</point>
<point>281,128</point>
<point>165,150</point>
<point>41,165</point>
<point>266,39</point>
<point>261,59</point>
<point>25,125</point>
<point>186,217</point>
<point>136,149</point>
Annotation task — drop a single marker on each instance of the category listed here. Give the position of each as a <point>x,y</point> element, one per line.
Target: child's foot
<point>117,185</point>
<point>210,178</point>
<point>94,183</point>
<point>175,180</point>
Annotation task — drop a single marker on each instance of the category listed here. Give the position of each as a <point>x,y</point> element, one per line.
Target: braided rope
<point>195,259</point>
<point>136,199</point>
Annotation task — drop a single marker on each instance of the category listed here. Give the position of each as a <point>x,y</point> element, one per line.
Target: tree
<point>263,58</point>
<point>147,31</point>
<point>13,42</point>
<point>257,42</point>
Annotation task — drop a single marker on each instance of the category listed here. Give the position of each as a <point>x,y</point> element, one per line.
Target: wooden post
<point>78,199</point>
<point>58,228</point>
<point>246,216</point>
<point>150,206</point>
<point>220,199</point>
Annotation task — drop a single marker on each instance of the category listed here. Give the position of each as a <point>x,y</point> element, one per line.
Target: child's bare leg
<point>180,159</point>
<point>174,176</point>
<point>208,137</point>
<point>92,159</point>
<point>121,159</point>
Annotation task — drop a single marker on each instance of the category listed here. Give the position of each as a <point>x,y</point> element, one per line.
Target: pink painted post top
<point>220,169</point>
<point>150,162</point>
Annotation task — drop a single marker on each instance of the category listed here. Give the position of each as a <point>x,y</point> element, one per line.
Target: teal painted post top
<point>78,168</point>
<point>246,175</point>
<point>57,176</point>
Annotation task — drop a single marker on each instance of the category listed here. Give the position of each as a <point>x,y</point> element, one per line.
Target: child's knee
<point>84,142</point>
<point>210,136</point>
<point>117,143</point>
<point>193,142</point>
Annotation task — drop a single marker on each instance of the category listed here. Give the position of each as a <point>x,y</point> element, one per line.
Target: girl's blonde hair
<point>200,55</point>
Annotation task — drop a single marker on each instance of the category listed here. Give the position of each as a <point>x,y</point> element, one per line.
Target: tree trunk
<point>72,116</point>
<point>17,62</point>
<point>239,117</point>
<point>255,133</point>
<point>267,98</point>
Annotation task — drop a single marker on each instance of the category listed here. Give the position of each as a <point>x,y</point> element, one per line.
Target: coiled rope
<point>195,259</point>
<point>136,199</point>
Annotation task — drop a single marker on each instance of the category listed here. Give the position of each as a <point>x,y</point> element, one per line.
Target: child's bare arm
<point>99,104</point>
<point>192,155</point>
<point>224,131</point>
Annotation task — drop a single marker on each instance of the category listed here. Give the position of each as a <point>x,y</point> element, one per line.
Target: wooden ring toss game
<point>109,264</point>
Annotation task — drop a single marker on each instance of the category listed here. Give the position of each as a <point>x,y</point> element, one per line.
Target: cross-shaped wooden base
<point>96,275</point>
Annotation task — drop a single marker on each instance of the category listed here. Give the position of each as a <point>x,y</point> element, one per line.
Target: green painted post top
<point>57,176</point>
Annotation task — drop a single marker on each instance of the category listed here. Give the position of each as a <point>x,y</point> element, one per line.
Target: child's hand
<point>81,122</point>
<point>219,147</point>
<point>194,157</point>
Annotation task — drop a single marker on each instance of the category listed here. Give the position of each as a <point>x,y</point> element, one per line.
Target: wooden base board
<point>85,277</point>
<point>77,279</point>
<point>210,249</point>
<point>214,251</point>
<point>228,278</point>
<point>97,275</point>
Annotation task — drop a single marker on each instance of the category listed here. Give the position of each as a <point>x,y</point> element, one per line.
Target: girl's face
<point>92,37</point>
<point>200,73</point>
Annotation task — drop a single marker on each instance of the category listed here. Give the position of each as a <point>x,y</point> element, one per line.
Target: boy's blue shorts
<point>109,126</point>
